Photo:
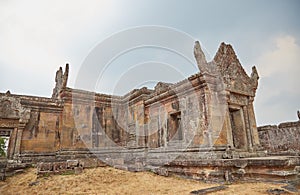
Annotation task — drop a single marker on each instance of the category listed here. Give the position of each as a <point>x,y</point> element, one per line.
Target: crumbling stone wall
<point>282,138</point>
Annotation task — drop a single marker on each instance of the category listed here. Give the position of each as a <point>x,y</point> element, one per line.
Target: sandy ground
<point>106,180</point>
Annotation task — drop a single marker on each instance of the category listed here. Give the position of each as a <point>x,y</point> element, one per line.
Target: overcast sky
<point>36,37</point>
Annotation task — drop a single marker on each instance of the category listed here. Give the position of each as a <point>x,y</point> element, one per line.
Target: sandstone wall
<point>34,123</point>
<point>42,133</point>
<point>282,138</point>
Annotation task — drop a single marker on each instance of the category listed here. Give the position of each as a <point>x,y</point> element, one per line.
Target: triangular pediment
<point>234,76</point>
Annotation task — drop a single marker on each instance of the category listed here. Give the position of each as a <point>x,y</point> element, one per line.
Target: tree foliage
<point>2,146</point>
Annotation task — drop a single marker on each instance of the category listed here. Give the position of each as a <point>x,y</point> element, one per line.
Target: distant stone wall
<point>284,138</point>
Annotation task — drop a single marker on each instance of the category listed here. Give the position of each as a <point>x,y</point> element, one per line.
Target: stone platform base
<point>282,169</point>
<point>10,168</point>
<point>189,163</point>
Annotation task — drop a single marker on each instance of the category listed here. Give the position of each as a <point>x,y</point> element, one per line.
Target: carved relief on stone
<point>61,80</point>
<point>233,74</point>
<point>238,99</point>
<point>8,123</point>
<point>162,87</point>
<point>10,107</point>
<point>6,111</point>
<point>235,78</point>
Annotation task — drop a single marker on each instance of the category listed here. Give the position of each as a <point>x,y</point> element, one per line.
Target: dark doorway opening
<point>175,127</point>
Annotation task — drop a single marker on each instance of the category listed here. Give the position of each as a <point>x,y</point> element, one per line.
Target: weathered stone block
<point>59,167</point>
<point>44,167</point>
<point>72,163</point>
<point>118,161</point>
<point>162,171</point>
<point>78,170</point>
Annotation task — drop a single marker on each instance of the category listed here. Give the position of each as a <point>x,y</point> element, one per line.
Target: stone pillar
<point>132,135</point>
<point>247,128</point>
<point>19,140</point>
<point>229,129</point>
<point>252,124</point>
<point>12,141</point>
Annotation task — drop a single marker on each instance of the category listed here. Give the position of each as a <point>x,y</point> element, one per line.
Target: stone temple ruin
<point>203,127</point>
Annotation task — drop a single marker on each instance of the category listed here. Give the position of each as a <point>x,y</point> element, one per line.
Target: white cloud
<point>282,59</point>
<point>36,37</point>
<point>42,27</point>
<point>278,94</point>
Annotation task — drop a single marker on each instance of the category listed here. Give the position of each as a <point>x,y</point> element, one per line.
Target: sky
<point>36,37</point>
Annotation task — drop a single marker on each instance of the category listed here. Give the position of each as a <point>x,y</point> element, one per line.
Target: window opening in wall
<point>175,127</point>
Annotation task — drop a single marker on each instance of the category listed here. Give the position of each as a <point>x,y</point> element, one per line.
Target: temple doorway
<point>238,128</point>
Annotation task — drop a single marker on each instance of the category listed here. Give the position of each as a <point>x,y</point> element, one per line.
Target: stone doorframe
<point>238,128</point>
<point>246,125</point>
<point>13,125</point>
<point>174,127</point>
<point>15,117</point>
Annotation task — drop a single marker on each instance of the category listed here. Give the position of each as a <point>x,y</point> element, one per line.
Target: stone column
<point>229,129</point>
<point>12,141</point>
<point>252,124</point>
<point>248,129</point>
<point>19,140</point>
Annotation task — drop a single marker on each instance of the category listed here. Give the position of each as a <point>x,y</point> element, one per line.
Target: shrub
<point>2,147</point>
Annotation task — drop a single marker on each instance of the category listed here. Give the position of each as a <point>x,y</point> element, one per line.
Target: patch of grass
<point>228,183</point>
<point>68,172</point>
<point>45,175</point>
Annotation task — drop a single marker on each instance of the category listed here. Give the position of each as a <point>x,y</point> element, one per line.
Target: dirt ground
<point>106,180</point>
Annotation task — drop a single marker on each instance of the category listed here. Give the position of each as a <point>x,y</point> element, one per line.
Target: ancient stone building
<point>211,111</point>
<point>202,127</point>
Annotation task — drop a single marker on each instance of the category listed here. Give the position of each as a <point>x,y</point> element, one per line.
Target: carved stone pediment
<point>232,72</point>
<point>227,67</point>
<point>11,108</point>
<point>6,110</point>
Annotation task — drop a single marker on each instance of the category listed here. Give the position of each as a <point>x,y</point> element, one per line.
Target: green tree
<point>2,146</point>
